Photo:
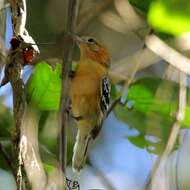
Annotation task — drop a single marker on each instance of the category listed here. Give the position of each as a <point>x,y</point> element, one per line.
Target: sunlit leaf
<point>43,87</point>
<point>170,16</point>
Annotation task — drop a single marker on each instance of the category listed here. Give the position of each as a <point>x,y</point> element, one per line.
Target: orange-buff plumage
<point>89,95</point>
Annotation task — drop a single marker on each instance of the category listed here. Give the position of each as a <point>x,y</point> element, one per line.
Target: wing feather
<point>105,89</point>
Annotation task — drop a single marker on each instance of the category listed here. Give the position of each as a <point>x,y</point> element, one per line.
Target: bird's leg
<point>71,74</point>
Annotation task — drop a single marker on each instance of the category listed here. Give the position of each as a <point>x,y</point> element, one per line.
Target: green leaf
<point>142,142</point>
<point>8,149</point>
<point>49,168</point>
<point>44,86</point>
<point>151,107</point>
<point>142,5</point>
<point>114,91</point>
<point>170,16</point>
<point>6,122</point>
<point>139,141</point>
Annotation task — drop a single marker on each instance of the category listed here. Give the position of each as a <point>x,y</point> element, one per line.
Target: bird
<point>89,95</point>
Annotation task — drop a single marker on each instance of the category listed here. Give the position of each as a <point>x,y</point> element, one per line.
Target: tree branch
<point>160,48</point>
<point>137,65</point>
<point>129,15</point>
<point>87,16</point>
<point>174,131</point>
<point>25,140</point>
<point>67,60</point>
<point>128,81</point>
<point>14,72</point>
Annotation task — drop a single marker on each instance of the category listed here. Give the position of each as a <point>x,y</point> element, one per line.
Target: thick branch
<point>26,136</point>
<point>13,71</point>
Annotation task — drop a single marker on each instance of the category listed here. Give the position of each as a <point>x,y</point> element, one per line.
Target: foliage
<point>44,86</point>
<point>166,16</point>
<point>151,103</point>
<point>170,16</point>
<point>142,5</point>
<point>151,111</point>
<point>6,121</point>
<point>148,109</point>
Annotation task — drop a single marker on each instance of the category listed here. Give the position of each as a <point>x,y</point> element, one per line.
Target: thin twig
<point>129,80</point>
<point>113,105</point>
<point>67,60</point>
<point>174,130</point>
<point>87,16</point>
<point>125,87</point>
<point>8,160</point>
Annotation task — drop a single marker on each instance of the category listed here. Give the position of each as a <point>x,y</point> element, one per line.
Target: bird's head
<point>90,48</point>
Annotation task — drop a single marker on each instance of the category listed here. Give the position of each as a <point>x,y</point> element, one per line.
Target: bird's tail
<point>80,151</point>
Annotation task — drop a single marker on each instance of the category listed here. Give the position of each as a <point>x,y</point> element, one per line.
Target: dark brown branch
<point>13,72</point>
<point>67,60</point>
<point>113,105</point>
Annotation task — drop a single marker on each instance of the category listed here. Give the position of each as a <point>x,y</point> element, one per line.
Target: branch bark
<point>14,72</point>
<point>67,60</point>
<point>25,139</point>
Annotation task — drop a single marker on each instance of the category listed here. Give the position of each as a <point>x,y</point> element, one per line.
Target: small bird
<point>90,95</point>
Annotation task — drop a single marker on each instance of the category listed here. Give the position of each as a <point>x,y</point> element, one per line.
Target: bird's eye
<point>25,49</point>
<point>91,40</point>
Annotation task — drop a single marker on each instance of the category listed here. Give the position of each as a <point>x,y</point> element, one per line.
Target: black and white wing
<point>105,89</point>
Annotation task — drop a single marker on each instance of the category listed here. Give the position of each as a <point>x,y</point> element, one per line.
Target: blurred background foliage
<point>150,103</point>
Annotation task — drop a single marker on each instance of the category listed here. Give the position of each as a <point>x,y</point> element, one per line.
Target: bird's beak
<point>78,40</point>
